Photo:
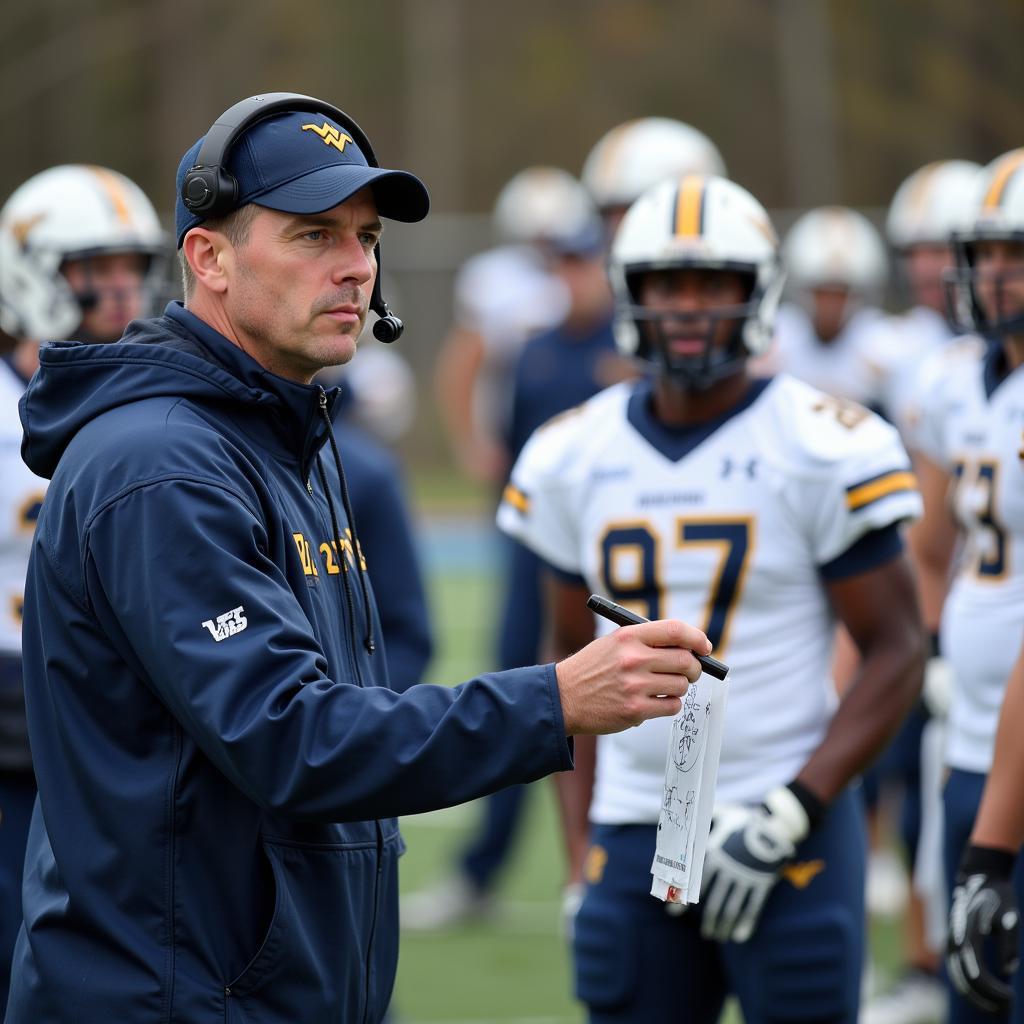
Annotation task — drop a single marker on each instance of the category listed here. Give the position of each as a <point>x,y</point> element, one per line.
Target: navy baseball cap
<point>301,162</point>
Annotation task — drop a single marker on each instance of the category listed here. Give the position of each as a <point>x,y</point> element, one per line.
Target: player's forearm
<point>1000,821</point>
<point>574,790</point>
<point>932,585</point>
<point>932,541</point>
<point>881,694</point>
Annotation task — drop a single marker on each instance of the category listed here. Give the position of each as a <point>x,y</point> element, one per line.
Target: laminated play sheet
<point>691,771</point>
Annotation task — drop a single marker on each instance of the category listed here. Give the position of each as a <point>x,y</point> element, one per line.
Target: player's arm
<point>1000,820</point>
<point>879,609</point>
<point>459,365</point>
<point>571,627</point>
<point>932,539</point>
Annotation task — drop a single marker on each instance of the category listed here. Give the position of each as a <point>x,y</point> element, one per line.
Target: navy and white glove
<point>747,849</point>
<point>983,914</point>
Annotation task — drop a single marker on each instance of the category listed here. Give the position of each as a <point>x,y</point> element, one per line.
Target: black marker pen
<point>624,617</point>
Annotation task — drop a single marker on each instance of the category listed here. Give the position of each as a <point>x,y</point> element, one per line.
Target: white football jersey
<point>506,295</point>
<point>974,428</point>
<point>21,498</point>
<point>895,351</point>
<point>726,526</point>
<point>837,367</point>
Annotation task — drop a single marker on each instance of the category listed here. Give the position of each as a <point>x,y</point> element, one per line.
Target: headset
<point>208,190</point>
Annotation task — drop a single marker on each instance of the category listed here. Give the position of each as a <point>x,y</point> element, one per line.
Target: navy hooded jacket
<point>220,759</point>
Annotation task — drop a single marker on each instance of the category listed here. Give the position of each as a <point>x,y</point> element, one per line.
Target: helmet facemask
<point>965,311</point>
<point>707,225</point>
<point>716,336</point>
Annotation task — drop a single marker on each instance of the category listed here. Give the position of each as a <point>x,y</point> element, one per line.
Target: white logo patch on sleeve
<point>228,624</point>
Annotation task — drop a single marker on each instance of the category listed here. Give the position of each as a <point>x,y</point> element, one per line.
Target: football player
<point>502,297</point>
<point>836,269</point>
<point>928,207</point>
<point>557,368</point>
<point>970,438</point>
<point>631,157</point>
<point>768,509</point>
<point>81,253</point>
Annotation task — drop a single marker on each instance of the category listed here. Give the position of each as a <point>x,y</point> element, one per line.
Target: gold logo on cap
<point>330,135</point>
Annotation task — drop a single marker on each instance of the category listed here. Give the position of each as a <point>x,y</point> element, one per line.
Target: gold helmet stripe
<point>610,153</point>
<point>1013,163</point>
<point>115,190</point>
<point>688,216</point>
<point>922,186</point>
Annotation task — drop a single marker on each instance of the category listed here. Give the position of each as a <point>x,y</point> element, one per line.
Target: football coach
<point>219,756</point>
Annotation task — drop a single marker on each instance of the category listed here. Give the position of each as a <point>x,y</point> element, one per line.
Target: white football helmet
<point>702,223</point>
<point>833,246</point>
<point>69,212</point>
<point>630,158</point>
<point>933,203</point>
<point>544,205</point>
<point>998,216</point>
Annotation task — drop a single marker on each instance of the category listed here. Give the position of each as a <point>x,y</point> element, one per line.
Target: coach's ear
<point>210,257</point>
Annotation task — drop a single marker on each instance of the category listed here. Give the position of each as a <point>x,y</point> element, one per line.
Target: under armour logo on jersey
<point>331,136</point>
<point>728,465</point>
<point>228,624</point>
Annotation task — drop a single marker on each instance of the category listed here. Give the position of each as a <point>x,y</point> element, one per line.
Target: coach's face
<point>299,285</point>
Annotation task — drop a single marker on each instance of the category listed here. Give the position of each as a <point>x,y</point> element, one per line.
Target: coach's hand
<point>984,912</point>
<point>747,850</point>
<point>628,676</point>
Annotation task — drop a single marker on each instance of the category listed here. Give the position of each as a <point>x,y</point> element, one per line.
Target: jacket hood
<point>173,356</point>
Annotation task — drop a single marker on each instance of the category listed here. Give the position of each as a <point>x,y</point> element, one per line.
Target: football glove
<point>983,913</point>
<point>747,850</point>
<point>572,900</point>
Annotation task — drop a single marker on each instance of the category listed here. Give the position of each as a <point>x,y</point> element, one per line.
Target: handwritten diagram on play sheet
<point>691,771</point>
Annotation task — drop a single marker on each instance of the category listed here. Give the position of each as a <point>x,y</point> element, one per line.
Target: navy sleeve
<point>293,733</point>
<point>875,548</point>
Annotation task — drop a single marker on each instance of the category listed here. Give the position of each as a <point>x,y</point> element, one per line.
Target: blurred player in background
<point>970,437</point>
<point>770,509</point>
<point>836,269</point>
<point>81,253</point>
<point>928,207</point>
<point>502,297</point>
<point>631,157</point>
<point>933,203</point>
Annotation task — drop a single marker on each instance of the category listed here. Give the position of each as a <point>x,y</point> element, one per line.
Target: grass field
<point>515,968</point>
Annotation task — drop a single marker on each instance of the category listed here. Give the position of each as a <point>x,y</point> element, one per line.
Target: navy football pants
<point>636,963</point>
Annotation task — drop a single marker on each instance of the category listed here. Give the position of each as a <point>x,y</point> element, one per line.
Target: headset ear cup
<point>209,191</point>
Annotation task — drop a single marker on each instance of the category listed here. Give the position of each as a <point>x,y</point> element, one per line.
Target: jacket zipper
<point>373,921</point>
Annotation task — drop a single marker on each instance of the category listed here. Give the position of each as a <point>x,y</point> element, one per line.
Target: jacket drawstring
<point>368,640</point>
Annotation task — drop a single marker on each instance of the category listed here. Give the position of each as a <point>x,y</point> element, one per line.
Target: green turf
<point>514,968</point>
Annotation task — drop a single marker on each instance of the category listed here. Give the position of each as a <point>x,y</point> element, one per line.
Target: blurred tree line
<point>809,100</point>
